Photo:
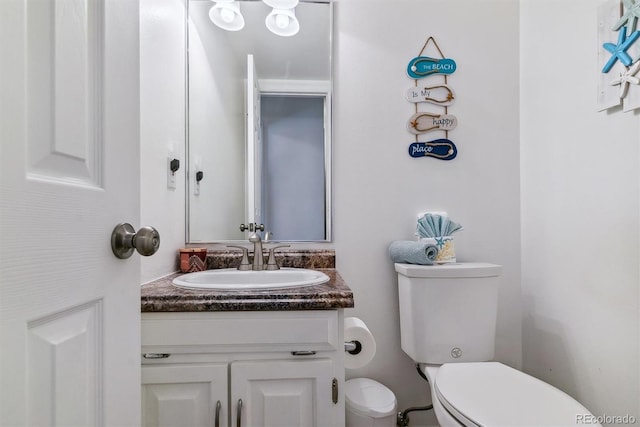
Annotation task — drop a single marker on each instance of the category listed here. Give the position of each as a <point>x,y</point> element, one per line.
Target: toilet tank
<point>448,312</point>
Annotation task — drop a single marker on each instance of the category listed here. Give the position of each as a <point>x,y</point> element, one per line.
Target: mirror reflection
<point>259,123</point>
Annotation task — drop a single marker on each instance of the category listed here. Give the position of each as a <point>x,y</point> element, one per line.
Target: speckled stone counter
<point>161,296</point>
<point>305,258</point>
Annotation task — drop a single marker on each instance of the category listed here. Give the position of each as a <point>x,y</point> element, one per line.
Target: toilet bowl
<point>493,394</point>
<point>447,326</point>
<point>369,404</point>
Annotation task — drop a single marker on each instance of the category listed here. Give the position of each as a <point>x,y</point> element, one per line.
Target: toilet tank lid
<point>370,398</point>
<point>490,393</point>
<point>450,270</point>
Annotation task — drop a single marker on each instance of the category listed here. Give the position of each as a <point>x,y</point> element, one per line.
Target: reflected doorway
<point>293,166</point>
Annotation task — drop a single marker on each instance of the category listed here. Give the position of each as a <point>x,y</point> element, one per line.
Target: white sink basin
<point>234,279</point>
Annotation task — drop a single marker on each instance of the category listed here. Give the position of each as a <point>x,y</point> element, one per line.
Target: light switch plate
<point>171,176</point>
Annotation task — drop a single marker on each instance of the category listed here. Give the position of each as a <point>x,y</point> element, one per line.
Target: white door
<point>184,395</point>
<point>254,145</point>
<point>282,393</point>
<point>69,131</point>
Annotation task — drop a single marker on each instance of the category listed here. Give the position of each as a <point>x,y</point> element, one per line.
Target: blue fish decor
<point>442,149</point>
<point>423,66</point>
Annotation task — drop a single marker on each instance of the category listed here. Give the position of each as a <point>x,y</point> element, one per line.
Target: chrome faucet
<point>258,260</point>
<point>258,255</point>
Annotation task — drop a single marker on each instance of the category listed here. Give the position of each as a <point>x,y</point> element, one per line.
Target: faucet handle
<point>271,262</point>
<point>244,262</point>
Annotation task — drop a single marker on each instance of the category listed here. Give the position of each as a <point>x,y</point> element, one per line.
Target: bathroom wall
<point>162,128</point>
<point>379,189</point>
<point>580,219</point>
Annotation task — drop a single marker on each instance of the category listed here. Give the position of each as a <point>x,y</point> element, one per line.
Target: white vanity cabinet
<point>256,368</point>
<point>184,395</point>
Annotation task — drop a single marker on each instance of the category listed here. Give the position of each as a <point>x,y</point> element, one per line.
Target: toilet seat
<point>493,394</point>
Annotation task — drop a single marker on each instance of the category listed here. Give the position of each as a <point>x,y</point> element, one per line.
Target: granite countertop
<point>161,296</point>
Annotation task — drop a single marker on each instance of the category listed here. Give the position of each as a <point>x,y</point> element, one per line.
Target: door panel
<point>281,393</point>
<point>64,367</point>
<point>64,84</point>
<point>184,396</point>
<point>294,209</point>
<point>69,143</point>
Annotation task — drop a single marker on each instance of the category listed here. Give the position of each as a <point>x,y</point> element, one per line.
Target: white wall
<point>378,188</point>
<point>162,128</point>
<point>580,217</point>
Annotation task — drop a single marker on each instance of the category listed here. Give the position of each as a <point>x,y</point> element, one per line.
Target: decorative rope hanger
<point>450,98</point>
<point>439,94</point>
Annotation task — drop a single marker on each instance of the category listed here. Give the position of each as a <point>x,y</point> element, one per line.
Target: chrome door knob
<point>124,240</point>
<point>252,226</point>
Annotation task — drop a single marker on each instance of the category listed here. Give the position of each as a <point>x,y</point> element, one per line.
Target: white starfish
<point>627,77</point>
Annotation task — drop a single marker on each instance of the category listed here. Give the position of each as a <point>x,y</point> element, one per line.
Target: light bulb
<point>282,21</point>
<point>227,15</point>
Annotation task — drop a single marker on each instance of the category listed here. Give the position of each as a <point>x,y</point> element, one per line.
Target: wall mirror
<point>259,125</point>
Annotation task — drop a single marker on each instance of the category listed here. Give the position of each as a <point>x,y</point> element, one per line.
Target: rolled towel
<point>410,252</point>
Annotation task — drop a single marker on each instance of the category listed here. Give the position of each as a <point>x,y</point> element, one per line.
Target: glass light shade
<point>226,15</point>
<point>282,22</point>
<point>281,4</point>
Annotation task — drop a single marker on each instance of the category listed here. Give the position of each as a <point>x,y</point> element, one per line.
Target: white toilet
<point>447,324</point>
<point>369,404</point>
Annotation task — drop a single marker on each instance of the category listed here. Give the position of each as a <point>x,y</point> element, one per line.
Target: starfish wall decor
<point>625,25</point>
<point>630,17</point>
<point>627,77</point>
<point>619,51</point>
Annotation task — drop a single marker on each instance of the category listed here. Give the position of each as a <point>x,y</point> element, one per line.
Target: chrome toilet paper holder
<point>353,347</point>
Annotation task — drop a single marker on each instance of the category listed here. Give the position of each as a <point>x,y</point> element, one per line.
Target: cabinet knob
<point>239,414</point>
<point>303,353</point>
<point>218,407</point>
<point>156,355</point>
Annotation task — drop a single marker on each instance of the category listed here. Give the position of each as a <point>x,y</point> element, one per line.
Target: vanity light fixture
<point>226,15</point>
<point>282,19</point>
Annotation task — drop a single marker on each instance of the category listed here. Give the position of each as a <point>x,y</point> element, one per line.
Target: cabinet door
<point>184,395</point>
<point>282,393</point>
